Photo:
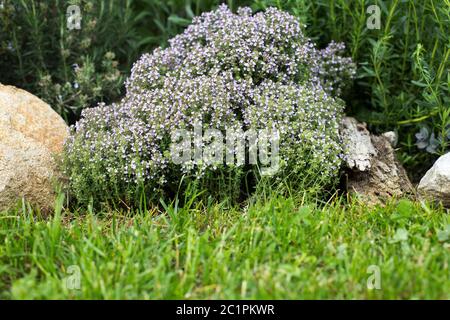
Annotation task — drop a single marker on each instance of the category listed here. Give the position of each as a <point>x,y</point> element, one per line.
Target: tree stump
<point>372,169</point>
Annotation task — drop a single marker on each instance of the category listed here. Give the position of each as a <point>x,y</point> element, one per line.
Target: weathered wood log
<point>372,169</point>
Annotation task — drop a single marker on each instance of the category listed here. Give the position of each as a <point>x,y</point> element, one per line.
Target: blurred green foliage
<point>69,69</point>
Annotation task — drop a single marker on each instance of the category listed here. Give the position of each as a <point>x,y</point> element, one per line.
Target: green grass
<point>279,249</point>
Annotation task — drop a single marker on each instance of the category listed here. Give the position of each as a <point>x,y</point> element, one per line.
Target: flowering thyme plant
<point>227,71</point>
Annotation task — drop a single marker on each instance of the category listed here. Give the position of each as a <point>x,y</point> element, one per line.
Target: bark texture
<point>373,171</point>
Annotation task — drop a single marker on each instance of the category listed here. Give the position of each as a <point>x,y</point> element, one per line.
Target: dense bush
<point>239,71</point>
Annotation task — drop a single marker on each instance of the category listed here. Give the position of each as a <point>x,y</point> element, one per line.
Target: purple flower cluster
<point>226,70</point>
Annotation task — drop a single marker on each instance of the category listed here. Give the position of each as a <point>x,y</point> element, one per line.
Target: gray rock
<point>435,185</point>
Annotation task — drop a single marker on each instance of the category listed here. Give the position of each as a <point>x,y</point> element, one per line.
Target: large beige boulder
<point>435,185</point>
<point>31,136</point>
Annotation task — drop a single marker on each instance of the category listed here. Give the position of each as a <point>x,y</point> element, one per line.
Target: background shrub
<point>69,69</point>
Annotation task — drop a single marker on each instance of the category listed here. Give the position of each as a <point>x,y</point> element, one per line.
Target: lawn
<point>292,246</point>
<point>281,248</point>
